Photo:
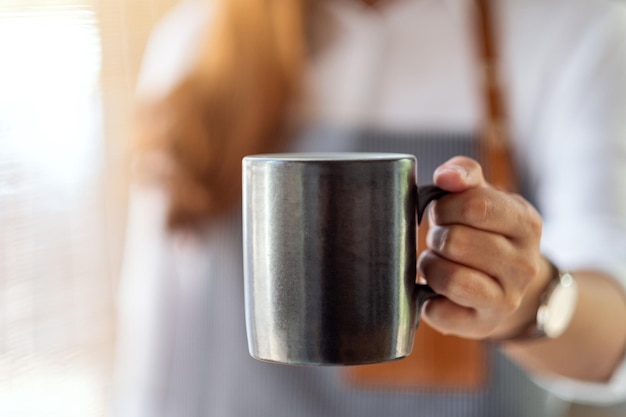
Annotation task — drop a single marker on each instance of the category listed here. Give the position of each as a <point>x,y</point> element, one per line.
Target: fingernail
<point>454,168</point>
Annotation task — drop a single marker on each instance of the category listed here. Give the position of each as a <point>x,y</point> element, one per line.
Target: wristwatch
<point>556,308</point>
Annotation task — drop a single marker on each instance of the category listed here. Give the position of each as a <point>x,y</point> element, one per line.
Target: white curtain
<point>67,72</point>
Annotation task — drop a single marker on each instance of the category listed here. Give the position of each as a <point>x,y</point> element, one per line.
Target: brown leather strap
<point>494,146</point>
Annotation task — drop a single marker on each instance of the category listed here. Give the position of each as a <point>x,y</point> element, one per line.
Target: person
<point>225,79</point>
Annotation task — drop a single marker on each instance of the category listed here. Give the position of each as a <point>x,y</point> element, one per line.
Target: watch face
<point>560,307</point>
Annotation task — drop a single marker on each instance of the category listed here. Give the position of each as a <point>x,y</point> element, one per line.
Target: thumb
<point>459,174</point>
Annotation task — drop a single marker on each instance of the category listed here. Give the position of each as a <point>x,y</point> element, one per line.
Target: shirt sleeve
<point>577,169</point>
<point>609,393</point>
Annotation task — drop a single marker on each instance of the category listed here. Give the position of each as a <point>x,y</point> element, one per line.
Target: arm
<point>575,162</point>
<point>594,343</point>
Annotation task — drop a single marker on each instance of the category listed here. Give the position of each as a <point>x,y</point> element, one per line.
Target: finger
<point>490,210</point>
<point>490,253</point>
<point>461,285</point>
<point>459,174</point>
<point>449,318</point>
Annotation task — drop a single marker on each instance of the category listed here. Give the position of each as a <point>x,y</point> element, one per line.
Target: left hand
<point>482,256</point>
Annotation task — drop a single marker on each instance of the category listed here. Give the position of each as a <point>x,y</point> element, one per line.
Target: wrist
<point>554,311</point>
<point>526,314</point>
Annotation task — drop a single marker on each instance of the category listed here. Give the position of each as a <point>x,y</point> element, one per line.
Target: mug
<point>330,256</point>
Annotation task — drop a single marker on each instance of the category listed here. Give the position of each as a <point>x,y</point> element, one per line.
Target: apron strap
<point>494,145</point>
<point>448,362</point>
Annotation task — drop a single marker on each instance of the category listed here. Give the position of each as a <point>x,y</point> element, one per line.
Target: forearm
<point>595,341</point>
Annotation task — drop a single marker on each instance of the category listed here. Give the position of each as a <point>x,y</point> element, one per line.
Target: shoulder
<point>560,20</point>
<point>550,43</point>
<point>173,45</point>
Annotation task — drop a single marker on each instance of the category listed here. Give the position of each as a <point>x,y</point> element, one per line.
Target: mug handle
<point>425,195</point>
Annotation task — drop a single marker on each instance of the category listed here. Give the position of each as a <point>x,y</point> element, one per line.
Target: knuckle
<point>536,223</point>
<point>464,288</point>
<point>455,287</point>
<point>529,215</point>
<point>477,210</point>
<point>533,219</point>
<point>534,270</point>
<point>450,242</point>
<point>527,270</point>
<point>511,303</point>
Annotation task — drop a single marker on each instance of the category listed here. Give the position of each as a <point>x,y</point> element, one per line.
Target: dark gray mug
<point>330,256</point>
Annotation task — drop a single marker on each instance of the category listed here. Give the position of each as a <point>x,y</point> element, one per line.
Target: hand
<point>482,256</point>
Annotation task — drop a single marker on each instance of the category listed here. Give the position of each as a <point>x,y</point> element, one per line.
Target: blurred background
<point>67,75</point>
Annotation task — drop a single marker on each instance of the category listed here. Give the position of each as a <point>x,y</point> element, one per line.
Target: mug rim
<point>329,156</point>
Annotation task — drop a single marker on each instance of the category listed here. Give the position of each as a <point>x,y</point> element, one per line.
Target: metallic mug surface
<point>330,256</point>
